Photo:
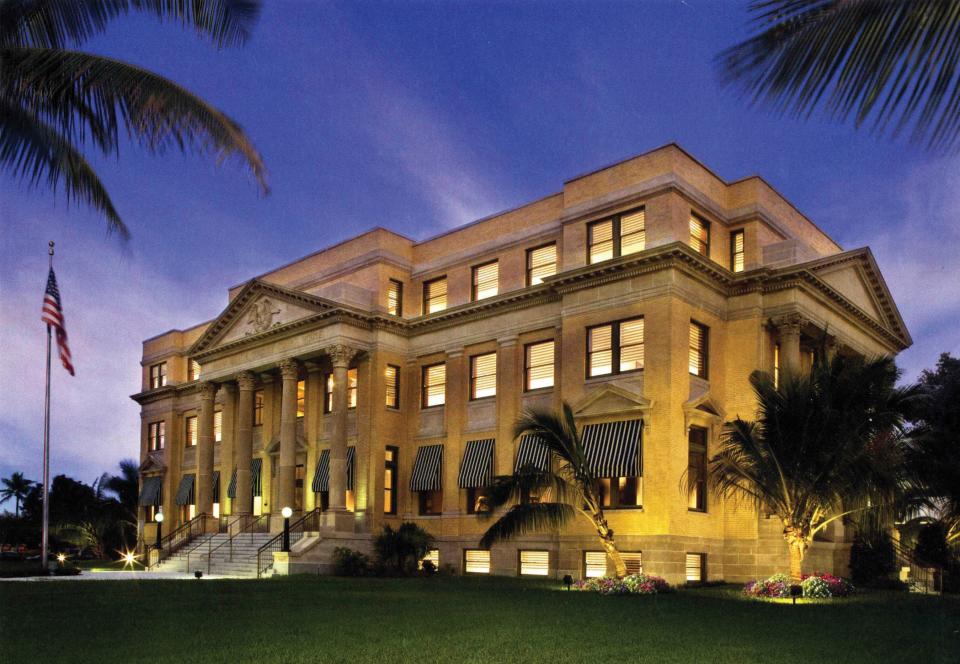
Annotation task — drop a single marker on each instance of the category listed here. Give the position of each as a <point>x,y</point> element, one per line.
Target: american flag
<point>53,315</point>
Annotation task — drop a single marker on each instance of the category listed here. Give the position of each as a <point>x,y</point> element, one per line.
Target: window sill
<point>482,399</point>
<point>693,511</point>
<point>613,376</point>
<point>538,390</point>
<point>623,508</point>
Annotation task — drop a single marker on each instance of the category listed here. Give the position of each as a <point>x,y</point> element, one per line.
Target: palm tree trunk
<point>797,544</point>
<point>606,540</point>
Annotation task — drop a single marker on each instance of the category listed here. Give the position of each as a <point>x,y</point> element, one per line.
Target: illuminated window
<point>700,235</point>
<point>193,370</point>
<point>258,408</point>
<point>594,564</point>
<point>633,561</point>
<point>392,379</point>
<point>538,365</point>
<point>776,366</point>
<point>623,492</point>
<point>615,347</point>
<point>699,338</point>
<point>351,388</point>
<point>696,567</point>
<point>158,375</point>
<point>258,505</point>
<point>621,235</point>
<point>483,376</point>
<point>476,561</point>
<point>217,426</point>
<point>534,563</point>
<point>395,297</point>
<point>156,435</point>
<point>187,512</point>
<point>541,263</point>
<point>328,393</point>
<point>633,232</point>
<point>434,385</point>
<point>697,469</point>
<point>190,422</point>
<point>485,280</point>
<point>430,503</point>
<point>216,510</point>
<point>475,500</point>
<point>391,458</point>
<point>301,398</point>
<point>736,251</point>
<point>600,241</point>
<point>435,295</point>
<point>433,556</point>
<point>150,513</point>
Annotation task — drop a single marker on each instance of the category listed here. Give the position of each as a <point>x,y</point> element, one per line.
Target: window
<point>190,439</point>
<point>435,295</point>
<point>538,365</point>
<point>390,480</point>
<point>217,426</point>
<point>433,556</point>
<point>430,502</point>
<point>392,379</point>
<point>633,561</point>
<point>615,348</point>
<point>475,500</point>
<point>158,375</point>
<point>476,561</point>
<point>150,513</point>
<point>258,408</point>
<point>620,491</point>
<point>696,567</point>
<point>434,385</point>
<point>156,435</point>
<point>697,469</point>
<point>301,398</point>
<point>620,235</point>
<point>594,564</point>
<point>699,336</point>
<point>328,391</point>
<point>700,235</point>
<point>486,280</point>
<point>193,370</point>
<point>541,263</point>
<point>534,563</point>
<point>187,512</point>
<point>736,251</point>
<point>483,376</point>
<point>776,366</point>
<point>395,297</point>
<point>351,388</point>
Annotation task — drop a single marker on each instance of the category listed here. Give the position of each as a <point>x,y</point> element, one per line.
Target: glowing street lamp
<point>159,520</point>
<point>287,513</point>
<point>61,558</point>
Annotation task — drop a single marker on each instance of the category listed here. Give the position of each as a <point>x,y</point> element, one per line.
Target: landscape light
<point>61,558</point>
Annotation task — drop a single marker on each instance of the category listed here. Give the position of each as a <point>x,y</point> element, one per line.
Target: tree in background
<point>15,487</point>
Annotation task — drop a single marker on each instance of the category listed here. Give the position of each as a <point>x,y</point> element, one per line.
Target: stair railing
<point>179,538</point>
<point>248,524</point>
<point>308,522</point>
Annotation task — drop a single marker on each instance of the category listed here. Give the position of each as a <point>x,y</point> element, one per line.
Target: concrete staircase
<point>242,563</point>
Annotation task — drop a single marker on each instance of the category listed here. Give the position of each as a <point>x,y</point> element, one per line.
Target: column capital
<point>789,324</point>
<point>266,378</point>
<point>313,366</point>
<point>289,369</point>
<point>246,380</point>
<point>208,390</point>
<point>341,354</point>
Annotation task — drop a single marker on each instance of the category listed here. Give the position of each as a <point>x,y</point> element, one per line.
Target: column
<point>311,428</point>
<point>228,439</point>
<point>243,503</point>
<point>509,391</point>
<point>340,357</point>
<point>286,473</point>
<point>204,486</point>
<point>788,329</point>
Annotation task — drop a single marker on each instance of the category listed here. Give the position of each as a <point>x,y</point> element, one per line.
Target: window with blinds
<point>434,385</point>
<point>191,430</point>
<point>696,567</point>
<point>538,365</point>
<point>156,435</point>
<point>193,370</point>
<point>697,469</point>
<point>483,376</point>
<point>390,463</point>
<point>258,408</point>
<point>158,375</point>
<point>615,347</point>
<point>435,295</point>
<point>736,251</point>
<point>534,563</point>
<point>476,561</point>
<point>217,426</point>
<point>699,235</point>
<point>351,388</point>
<point>633,561</point>
<point>395,297</point>
<point>633,232</point>
<point>392,380</point>
<point>600,241</point>
<point>698,349</point>
<point>301,398</point>
<point>433,556</point>
<point>594,564</point>
<point>486,280</point>
<point>541,263</point>
<point>621,235</point>
<point>328,393</point>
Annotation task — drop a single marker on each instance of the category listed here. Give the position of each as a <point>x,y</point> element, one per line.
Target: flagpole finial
<point>50,251</point>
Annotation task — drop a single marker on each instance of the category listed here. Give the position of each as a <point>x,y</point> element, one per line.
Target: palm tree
<point>823,447</point>
<point>54,99</point>
<point>125,486</point>
<point>569,483</point>
<point>16,487</point>
<point>889,63</point>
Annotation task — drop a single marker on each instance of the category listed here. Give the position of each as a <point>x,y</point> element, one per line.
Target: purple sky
<point>417,117</point>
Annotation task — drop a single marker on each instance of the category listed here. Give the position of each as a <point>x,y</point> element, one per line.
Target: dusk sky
<point>417,117</point>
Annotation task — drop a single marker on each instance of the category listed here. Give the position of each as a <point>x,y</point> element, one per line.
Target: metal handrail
<point>923,573</point>
<point>176,540</point>
<point>248,523</point>
<point>296,530</point>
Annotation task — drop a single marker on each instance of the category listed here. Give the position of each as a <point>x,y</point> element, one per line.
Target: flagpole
<point>46,452</point>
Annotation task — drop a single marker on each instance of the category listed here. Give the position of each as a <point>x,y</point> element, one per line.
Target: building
<point>378,379</point>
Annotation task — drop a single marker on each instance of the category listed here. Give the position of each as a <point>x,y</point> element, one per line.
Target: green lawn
<point>322,619</point>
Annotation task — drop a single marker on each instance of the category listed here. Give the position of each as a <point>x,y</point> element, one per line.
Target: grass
<point>325,619</point>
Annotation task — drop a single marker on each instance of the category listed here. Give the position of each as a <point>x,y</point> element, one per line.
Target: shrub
<point>872,560</point>
<point>428,568</point>
<point>347,562</point>
<point>400,551</point>
<point>634,584</point>
<point>777,585</point>
<point>815,585</point>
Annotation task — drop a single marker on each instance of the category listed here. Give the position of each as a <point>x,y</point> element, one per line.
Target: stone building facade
<point>379,378</point>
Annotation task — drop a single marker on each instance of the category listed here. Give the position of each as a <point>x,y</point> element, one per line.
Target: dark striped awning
<point>232,487</point>
<point>152,491</point>
<point>532,452</point>
<point>427,469</point>
<point>185,492</point>
<point>256,481</point>
<point>351,465</point>
<point>476,469</point>
<point>613,448</point>
<point>216,486</point>
<point>321,478</point>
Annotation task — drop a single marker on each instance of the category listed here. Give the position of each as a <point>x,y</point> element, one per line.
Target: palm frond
<point>33,151</point>
<point>889,64</point>
<point>511,489</point>
<point>558,432</point>
<point>58,23</point>
<point>527,518</point>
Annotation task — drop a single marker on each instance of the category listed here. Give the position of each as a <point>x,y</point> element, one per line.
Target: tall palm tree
<point>17,487</point>
<point>889,63</point>
<point>569,483</point>
<point>54,99</point>
<point>824,446</point>
<point>126,485</point>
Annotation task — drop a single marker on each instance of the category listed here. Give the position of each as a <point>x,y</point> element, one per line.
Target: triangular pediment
<point>851,281</point>
<point>153,464</point>
<point>611,400</point>
<point>705,405</point>
<point>274,447</point>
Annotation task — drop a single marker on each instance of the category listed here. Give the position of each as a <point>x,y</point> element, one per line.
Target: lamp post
<point>159,519</point>
<point>287,513</point>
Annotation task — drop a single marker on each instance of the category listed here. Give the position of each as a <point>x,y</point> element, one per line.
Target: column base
<point>340,520</point>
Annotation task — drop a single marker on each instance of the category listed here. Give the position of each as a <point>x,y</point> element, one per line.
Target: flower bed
<point>817,585</point>
<point>633,584</point>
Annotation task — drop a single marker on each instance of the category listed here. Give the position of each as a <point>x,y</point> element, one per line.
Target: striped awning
<point>216,486</point>
<point>351,454</point>
<point>256,466</point>
<point>185,492</point>
<point>613,448</point>
<point>321,478</point>
<point>152,491</point>
<point>476,469</point>
<point>532,452</point>
<point>232,487</point>
<point>427,469</point>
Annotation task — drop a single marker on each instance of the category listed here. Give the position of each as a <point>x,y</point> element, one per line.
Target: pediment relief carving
<point>610,400</point>
<point>261,315</point>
